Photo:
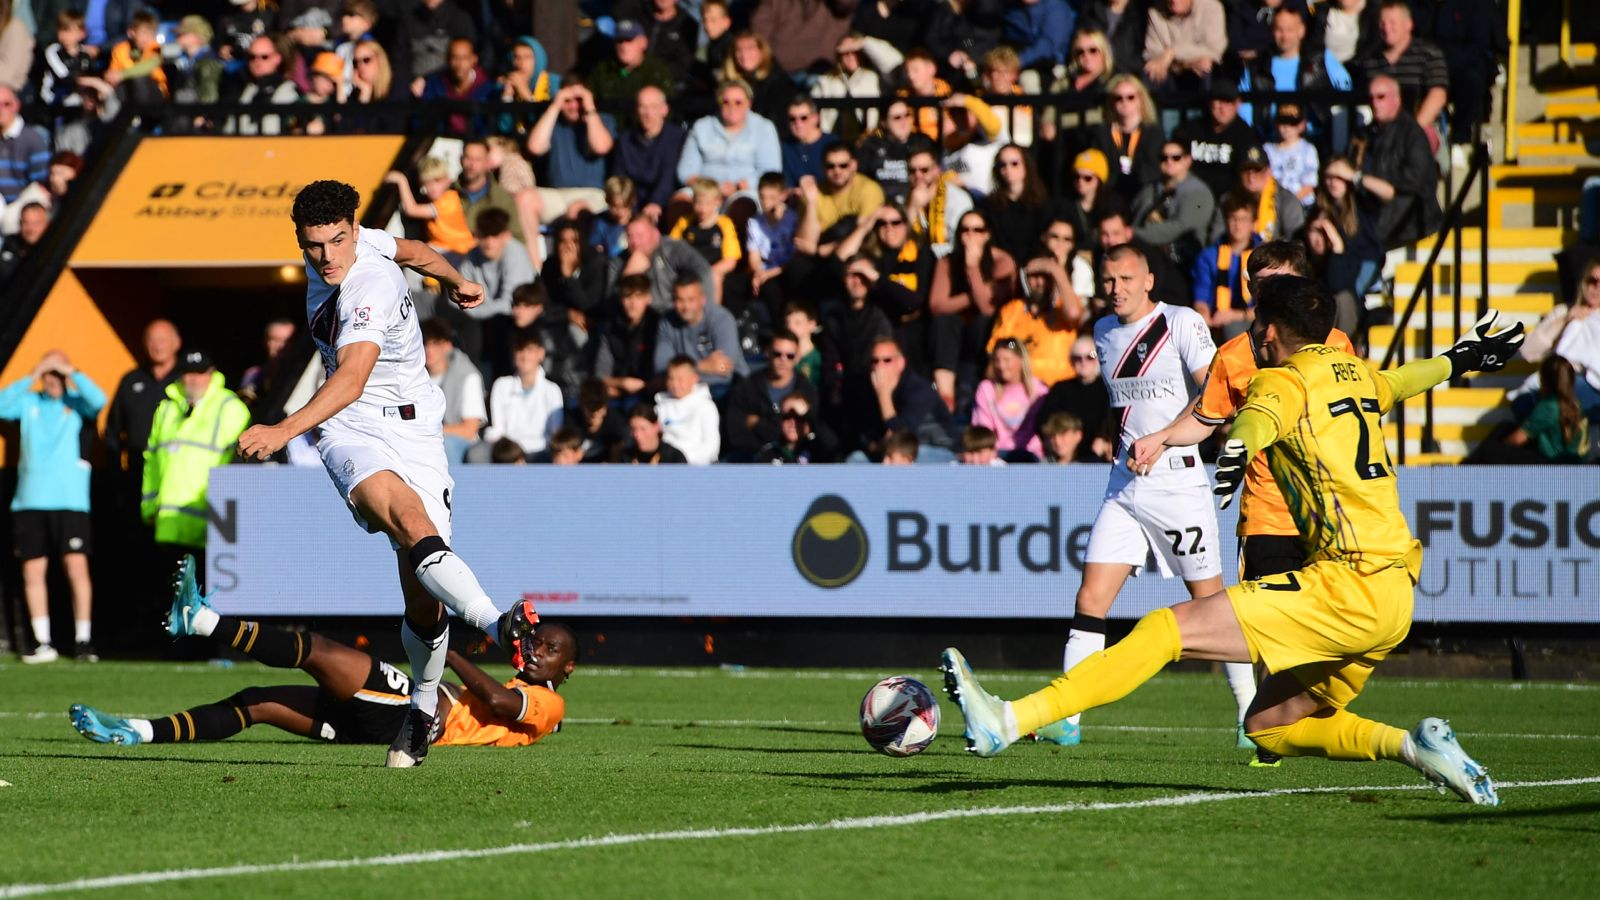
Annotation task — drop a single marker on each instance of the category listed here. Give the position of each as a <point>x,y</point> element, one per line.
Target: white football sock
<point>1080,646</point>
<point>450,582</point>
<point>41,630</point>
<point>80,630</point>
<point>1242,679</point>
<point>146,733</point>
<point>427,664</point>
<point>1009,722</point>
<point>204,621</point>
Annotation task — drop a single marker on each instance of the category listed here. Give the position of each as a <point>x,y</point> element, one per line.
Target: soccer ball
<point>899,716</point>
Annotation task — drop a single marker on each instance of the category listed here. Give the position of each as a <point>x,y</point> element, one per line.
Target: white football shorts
<point>1177,525</point>
<point>355,448</point>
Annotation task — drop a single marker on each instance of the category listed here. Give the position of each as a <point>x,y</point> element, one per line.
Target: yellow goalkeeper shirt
<point>1318,418</point>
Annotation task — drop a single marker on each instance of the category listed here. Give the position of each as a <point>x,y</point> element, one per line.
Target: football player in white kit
<point>1153,358</point>
<point>381,434</point>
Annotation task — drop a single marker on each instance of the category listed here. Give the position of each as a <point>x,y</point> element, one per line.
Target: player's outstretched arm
<point>419,257</point>
<point>503,701</point>
<point>341,389</point>
<point>1487,347</point>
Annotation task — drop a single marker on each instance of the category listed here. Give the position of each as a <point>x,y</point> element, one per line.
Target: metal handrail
<point>1477,172</point>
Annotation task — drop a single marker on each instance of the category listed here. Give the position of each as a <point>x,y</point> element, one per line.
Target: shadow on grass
<point>146,758</point>
<point>1467,815</point>
<point>947,782</point>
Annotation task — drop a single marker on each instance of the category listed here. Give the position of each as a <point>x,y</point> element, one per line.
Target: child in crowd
<point>716,34</point>
<point>978,447</point>
<point>357,18</point>
<point>1062,433</point>
<point>65,60</point>
<point>1008,401</point>
<point>900,448</point>
<point>689,417</point>
<point>194,74</point>
<point>609,233</point>
<point>711,234</point>
<point>446,216</point>
<point>566,446</point>
<point>526,407</point>
<point>135,65</point>
<point>770,235</point>
<point>800,317</point>
<point>1293,158</point>
<point>648,448</point>
<point>507,452</point>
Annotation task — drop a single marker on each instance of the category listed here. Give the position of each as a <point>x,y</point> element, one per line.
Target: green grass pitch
<point>757,784</point>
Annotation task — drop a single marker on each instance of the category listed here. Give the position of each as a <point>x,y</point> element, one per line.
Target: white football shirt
<point>373,304</point>
<point>1148,367</point>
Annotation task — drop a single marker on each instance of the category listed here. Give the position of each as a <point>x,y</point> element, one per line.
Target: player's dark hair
<point>506,450</point>
<point>1289,255</point>
<point>633,285</point>
<point>526,337</point>
<point>978,437</point>
<point>325,203</point>
<point>530,294</point>
<point>902,442</point>
<point>493,221</point>
<point>437,329</point>
<point>565,438</point>
<point>1300,306</point>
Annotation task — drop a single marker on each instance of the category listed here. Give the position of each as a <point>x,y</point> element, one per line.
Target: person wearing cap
<point>309,35</point>
<point>462,79</point>
<point>193,431</point>
<point>1295,161</point>
<point>194,74</point>
<point>673,33</point>
<point>616,80</point>
<point>1279,215</point>
<point>1218,141</point>
<point>1294,67</point>
<point>50,510</point>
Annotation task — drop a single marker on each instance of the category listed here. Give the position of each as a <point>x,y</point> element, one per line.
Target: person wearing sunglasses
<point>1175,214</point>
<point>883,154</point>
<point>969,284</point>
<point>754,415</point>
<point>267,85</point>
<point>833,204</point>
<point>806,142</point>
<point>1118,28</point>
<point>1130,137</point>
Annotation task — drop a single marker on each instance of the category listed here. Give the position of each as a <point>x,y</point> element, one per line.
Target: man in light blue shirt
<point>1295,67</point>
<point>50,512</point>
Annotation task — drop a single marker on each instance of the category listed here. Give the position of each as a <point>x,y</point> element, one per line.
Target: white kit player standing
<point>382,438</point>
<point>1153,358</point>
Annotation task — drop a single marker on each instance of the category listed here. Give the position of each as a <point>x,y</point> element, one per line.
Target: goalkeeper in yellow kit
<point>1319,630</point>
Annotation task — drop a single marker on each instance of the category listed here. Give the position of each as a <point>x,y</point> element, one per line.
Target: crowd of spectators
<point>802,230</point>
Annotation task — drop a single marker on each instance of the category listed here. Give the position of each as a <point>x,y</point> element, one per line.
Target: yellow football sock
<point>1343,736</point>
<point>1106,676</point>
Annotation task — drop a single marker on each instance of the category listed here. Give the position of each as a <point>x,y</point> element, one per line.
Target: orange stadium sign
<point>222,201</point>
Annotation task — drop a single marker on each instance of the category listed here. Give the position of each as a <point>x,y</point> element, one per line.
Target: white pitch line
<point>843,725</point>
<point>705,834</point>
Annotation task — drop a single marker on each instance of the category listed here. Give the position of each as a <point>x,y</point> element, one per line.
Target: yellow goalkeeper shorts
<point>1327,624</point>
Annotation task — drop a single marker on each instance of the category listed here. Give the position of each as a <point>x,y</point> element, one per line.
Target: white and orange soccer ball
<point>899,716</point>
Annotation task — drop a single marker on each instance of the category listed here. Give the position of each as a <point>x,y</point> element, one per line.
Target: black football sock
<point>275,647</point>
<point>212,722</point>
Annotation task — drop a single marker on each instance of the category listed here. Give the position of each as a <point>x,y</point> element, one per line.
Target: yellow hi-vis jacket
<point>185,443</point>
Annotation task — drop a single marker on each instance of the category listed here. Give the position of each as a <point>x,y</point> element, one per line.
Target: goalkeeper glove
<point>1230,471</point>
<point>1480,351</point>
